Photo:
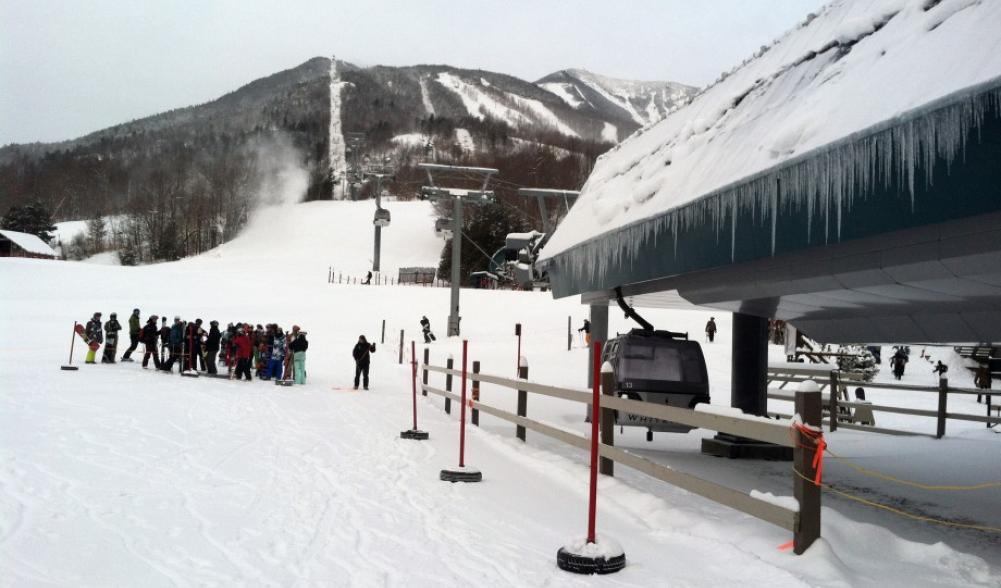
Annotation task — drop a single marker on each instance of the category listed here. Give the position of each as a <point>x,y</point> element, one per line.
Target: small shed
<point>17,244</point>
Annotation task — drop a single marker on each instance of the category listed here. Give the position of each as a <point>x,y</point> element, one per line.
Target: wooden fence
<point>843,413</point>
<point>804,523</point>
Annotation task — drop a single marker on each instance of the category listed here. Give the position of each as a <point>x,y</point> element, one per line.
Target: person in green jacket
<point>298,347</point>
<point>134,328</point>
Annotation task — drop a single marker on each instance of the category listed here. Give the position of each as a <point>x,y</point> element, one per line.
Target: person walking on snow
<point>212,347</point>
<point>898,361</point>
<point>111,340</point>
<point>940,369</point>
<point>298,348</point>
<point>586,329</point>
<point>148,336</point>
<point>362,354</point>
<point>244,351</point>
<point>711,329</point>
<point>134,332</point>
<point>426,329</point>
<point>368,279</point>
<point>95,336</point>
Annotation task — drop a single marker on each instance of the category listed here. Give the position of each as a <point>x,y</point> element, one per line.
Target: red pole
<point>592,504</point>
<point>72,341</point>
<point>462,411</point>
<point>413,352</point>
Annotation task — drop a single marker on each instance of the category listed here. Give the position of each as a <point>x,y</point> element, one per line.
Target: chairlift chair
<point>443,228</point>
<point>382,217</point>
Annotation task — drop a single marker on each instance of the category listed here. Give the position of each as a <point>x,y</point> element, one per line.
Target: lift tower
<point>458,196</point>
<point>382,217</point>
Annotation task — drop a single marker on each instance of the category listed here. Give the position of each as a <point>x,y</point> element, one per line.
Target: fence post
<point>806,492</point>
<point>943,397</point>
<point>401,346</point>
<point>569,335</point>
<point>519,430</point>
<point>517,333</point>
<point>607,423</point>
<point>382,341</point>
<point>476,394</point>
<point>833,406</point>
<point>448,386</point>
<point>427,360</point>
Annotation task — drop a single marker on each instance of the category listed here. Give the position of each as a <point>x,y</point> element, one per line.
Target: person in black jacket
<point>298,348</point>
<point>362,354</point>
<point>111,329</point>
<point>426,330</point>
<point>212,346</point>
<point>164,340</point>
<point>148,336</point>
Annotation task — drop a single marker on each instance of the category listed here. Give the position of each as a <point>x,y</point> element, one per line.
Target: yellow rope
<point>936,487</point>
<point>898,511</point>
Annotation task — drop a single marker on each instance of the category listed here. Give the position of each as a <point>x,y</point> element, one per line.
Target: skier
<point>244,350</point>
<point>277,356</point>
<point>95,335</point>
<point>212,346</point>
<point>362,354</point>
<point>711,329</point>
<point>426,329</point>
<point>586,329</point>
<point>134,328</point>
<point>164,340</point>
<point>298,348</point>
<point>940,369</point>
<point>148,335</point>
<point>111,340</point>
<point>898,361</point>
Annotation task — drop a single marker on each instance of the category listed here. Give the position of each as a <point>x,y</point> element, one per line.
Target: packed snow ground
<point>116,475</point>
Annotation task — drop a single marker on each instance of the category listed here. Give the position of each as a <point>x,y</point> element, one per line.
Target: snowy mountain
<point>625,104</point>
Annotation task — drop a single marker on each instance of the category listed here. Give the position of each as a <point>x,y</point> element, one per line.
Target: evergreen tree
<point>33,218</point>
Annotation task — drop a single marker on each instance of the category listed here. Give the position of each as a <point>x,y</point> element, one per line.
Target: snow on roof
<point>28,242</point>
<point>857,64</point>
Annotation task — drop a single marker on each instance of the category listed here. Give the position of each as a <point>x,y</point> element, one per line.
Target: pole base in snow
<point>414,434</point>
<point>69,368</point>
<point>461,474</point>
<point>604,556</point>
<point>189,374</point>
<point>283,382</point>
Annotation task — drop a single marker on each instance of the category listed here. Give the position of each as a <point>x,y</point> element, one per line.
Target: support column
<point>599,332</point>
<point>453,317</point>
<point>748,391</point>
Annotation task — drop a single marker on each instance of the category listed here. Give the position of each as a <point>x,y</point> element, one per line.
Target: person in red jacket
<point>244,349</point>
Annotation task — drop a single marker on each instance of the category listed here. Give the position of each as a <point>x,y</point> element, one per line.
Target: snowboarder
<point>940,369</point>
<point>426,329</point>
<point>148,335</point>
<point>111,339</point>
<point>244,351</point>
<point>898,361</point>
<point>586,329</point>
<point>362,354</point>
<point>711,329</point>
<point>298,348</point>
<point>212,342</point>
<point>95,336</point>
<point>368,279</point>
<point>134,329</point>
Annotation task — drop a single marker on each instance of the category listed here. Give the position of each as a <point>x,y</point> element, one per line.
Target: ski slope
<point>113,475</point>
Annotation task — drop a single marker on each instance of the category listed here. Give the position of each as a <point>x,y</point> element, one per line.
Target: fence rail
<point>805,525</point>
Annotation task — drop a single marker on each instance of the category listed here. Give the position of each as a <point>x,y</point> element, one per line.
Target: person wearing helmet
<point>95,336</point>
<point>212,341</point>
<point>111,329</point>
<point>298,348</point>
<point>149,336</point>
<point>134,328</point>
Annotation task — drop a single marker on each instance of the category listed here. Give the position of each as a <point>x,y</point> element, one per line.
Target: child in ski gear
<point>95,336</point>
<point>134,330</point>
<point>361,353</point>
<point>111,340</point>
<point>148,335</point>
<point>426,329</point>
<point>298,348</point>
<point>711,329</point>
<point>212,342</point>
<point>586,329</point>
<point>244,350</point>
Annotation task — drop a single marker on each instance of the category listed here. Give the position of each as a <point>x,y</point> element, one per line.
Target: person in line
<point>298,347</point>
<point>192,345</point>
<point>277,355</point>
<point>426,329</point>
<point>111,329</point>
<point>586,329</point>
<point>95,336</point>
<point>164,340</point>
<point>134,329</point>
<point>212,341</point>
<point>244,346</point>
<point>148,336</point>
<point>362,354</point>
<point>176,345</point>
<point>711,329</point>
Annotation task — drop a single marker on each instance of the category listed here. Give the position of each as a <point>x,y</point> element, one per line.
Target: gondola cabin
<point>661,367</point>
<point>381,217</point>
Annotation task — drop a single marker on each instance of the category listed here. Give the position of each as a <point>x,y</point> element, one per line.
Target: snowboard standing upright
<point>110,347</point>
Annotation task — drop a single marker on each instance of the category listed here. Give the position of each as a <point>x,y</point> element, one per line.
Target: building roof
<point>854,68</point>
<point>28,242</point>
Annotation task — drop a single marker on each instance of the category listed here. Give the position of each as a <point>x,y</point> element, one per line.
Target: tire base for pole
<point>189,374</point>
<point>415,434</point>
<point>283,382</point>
<point>603,557</point>
<point>461,474</point>
<point>69,368</point>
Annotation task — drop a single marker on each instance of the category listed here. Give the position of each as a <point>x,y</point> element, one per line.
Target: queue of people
<point>243,350</point>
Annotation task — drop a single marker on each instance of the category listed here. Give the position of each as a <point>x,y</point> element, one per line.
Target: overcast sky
<point>71,67</point>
